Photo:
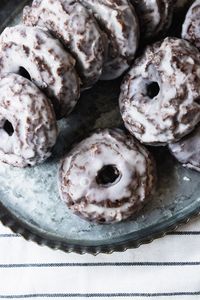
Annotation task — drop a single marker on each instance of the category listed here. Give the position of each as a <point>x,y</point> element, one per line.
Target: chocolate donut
<point>159,99</point>
<point>187,150</point>
<point>70,22</point>
<point>28,129</point>
<point>48,65</point>
<point>155,16</point>
<point>191,25</point>
<point>118,20</point>
<point>107,177</point>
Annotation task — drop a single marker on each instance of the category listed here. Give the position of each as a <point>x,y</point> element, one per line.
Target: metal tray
<point>29,199</point>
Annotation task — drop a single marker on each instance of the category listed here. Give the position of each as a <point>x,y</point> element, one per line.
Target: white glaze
<point>154,16</point>
<point>32,117</point>
<point>81,166</point>
<point>25,46</point>
<point>187,150</point>
<point>191,25</point>
<point>175,65</point>
<point>70,21</point>
<point>119,21</point>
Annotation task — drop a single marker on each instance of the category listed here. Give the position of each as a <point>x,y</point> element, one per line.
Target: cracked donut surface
<point>118,20</point>
<point>28,128</point>
<point>108,177</point>
<point>155,16</point>
<point>159,99</point>
<point>50,67</point>
<point>191,25</point>
<point>70,22</point>
<point>187,150</point>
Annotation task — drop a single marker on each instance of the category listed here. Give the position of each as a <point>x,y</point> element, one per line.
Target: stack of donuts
<point>63,47</point>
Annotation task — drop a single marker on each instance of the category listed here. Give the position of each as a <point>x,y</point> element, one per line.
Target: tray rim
<point>17,227</point>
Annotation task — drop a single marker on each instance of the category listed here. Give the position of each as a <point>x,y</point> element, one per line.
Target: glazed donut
<point>155,16</point>
<point>159,99</point>
<point>28,129</point>
<point>43,57</point>
<point>107,178</point>
<point>191,25</point>
<point>118,20</point>
<point>187,150</point>
<point>70,22</point>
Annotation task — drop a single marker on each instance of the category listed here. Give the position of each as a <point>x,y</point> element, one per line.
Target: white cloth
<point>168,268</point>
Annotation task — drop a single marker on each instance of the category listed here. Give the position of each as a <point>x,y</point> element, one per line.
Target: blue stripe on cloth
<point>99,264</point>
<point>100,295</point>
<point>9,235</point>
<point>184,233</point>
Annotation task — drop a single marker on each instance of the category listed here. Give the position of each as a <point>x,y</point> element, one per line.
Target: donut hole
<point>24,73</point>
<point>153,89</point>
<point>108,175</point>
<point>8,128</point>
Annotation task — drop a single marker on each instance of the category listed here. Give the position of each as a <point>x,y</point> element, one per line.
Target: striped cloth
<point>168,268</point>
